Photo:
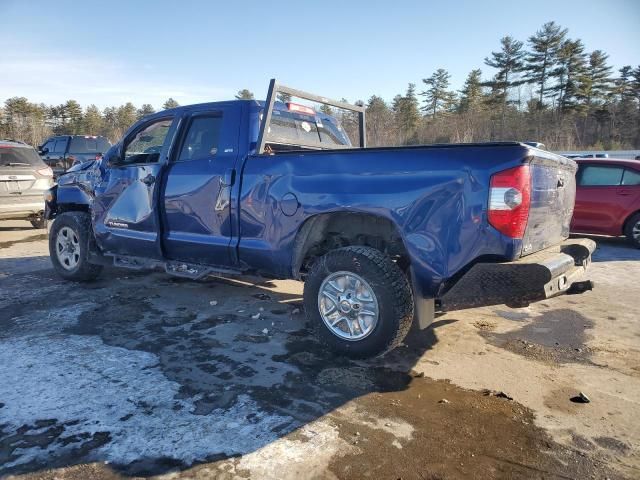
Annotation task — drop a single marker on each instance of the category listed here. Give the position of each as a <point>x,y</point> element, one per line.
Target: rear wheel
<point>359,301</point>
<point>68,247</point>
<point>632,230</point>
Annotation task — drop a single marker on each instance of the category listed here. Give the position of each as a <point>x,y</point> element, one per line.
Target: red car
<point>608,198</point>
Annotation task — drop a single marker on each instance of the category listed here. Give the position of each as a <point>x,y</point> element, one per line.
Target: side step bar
<point>193,271</point>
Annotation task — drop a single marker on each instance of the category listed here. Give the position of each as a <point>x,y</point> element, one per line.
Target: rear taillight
<point>45,172</point>
<point>509,201</point>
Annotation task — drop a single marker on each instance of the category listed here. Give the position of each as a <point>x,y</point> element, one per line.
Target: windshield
<point>19,156</point>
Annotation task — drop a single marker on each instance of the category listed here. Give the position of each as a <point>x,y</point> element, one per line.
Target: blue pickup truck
<point>275,188</point>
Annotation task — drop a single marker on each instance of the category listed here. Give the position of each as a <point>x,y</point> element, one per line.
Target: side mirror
<point>43,150</point>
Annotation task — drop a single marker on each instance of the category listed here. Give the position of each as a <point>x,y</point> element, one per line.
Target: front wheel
<point>632,230</point>
<point>359,301</point>
<point>68,247</point>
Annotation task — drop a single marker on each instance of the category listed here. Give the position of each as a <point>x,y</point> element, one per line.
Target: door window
<point>631,177</point>
<point>145,146</point>
<point>202,138</point>
<point>50,146</point>
<point>598,175</point>
<point>60,147</point>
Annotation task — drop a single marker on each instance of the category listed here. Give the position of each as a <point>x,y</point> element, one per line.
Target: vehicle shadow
<point>617,249</point>
<point>154,374</point>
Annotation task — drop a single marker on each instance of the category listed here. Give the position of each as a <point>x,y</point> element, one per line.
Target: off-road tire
<point>392,290</point>
<point>633,222</point>
<point>80,223</point>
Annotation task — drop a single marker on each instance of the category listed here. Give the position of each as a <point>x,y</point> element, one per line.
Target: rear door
<point>125,214</point>
<point>197,194</point>
<point>598,203</point>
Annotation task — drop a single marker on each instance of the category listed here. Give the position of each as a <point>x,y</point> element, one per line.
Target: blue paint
<point>227,210</point>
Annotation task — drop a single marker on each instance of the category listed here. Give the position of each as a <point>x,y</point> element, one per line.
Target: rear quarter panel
<point>436,197</point>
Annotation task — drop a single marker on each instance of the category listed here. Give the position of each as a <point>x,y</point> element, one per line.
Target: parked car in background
<point>573,156</point>
<point>608,198</point>
<point>63,151</point>
<point>24,178</point>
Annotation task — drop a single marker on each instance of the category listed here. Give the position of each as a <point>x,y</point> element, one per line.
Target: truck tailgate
<point>553,191</point>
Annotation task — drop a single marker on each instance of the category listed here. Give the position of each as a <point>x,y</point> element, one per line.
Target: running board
<point>193,271</point>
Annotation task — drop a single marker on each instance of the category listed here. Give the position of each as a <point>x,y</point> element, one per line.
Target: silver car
<point>24,178</point>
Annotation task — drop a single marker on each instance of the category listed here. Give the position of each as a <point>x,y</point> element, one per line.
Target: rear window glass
<point>88,145</point>
<point>631,177</point>
<point>17,156</point>
<point>332,132</point>
<point>597,175</point>
<point>289,127</point>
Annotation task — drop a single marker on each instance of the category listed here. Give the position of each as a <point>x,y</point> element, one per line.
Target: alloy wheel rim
<point>635,231</point>
<point>348,306</point>
<point>68,248</point>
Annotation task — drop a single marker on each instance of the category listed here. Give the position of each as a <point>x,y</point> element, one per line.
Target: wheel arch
<point>625,224</point>
<point>326,231</point>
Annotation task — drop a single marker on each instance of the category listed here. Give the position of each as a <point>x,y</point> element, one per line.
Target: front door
<point>125,215</point>
<point>197,223</point>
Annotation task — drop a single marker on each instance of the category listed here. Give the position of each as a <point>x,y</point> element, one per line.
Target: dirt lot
<point>142,374</point>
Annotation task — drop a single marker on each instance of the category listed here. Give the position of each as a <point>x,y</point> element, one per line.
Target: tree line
<point>548,88</point>
<point>35,122</point>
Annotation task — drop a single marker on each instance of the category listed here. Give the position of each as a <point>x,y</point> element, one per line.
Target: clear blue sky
<point>145,51</point>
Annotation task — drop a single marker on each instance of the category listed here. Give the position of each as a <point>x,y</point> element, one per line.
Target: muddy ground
<point>141,374</point>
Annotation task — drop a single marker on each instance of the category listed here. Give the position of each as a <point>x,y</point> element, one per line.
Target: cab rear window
<point>88,145</point>
<point>10,156</point>
<point>295,128</point>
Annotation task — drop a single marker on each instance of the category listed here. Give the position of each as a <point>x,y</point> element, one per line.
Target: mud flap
<point>423,308</point>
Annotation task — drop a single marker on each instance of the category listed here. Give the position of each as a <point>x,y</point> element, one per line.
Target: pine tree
<point>472,93</point>
<point>595,82</point>
<point>126,115</point>
<point>110,124</point>
<point>171,103</point>
<point>326,109</point>
<point>635,83</point>
<point>379,122</point>
<point>144,110</point>
<point>541,61</point>
<point>92,121</point>
<point>571,66</point>
<point>73,114</point>
<point>407,113</point>
<point>509,63</point>
<point>244,94</point>
<point>438,97</point>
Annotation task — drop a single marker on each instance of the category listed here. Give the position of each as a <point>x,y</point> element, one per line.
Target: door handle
<point>148,180</point>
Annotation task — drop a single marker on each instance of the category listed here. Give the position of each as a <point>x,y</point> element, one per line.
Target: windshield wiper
<point>16,164</point>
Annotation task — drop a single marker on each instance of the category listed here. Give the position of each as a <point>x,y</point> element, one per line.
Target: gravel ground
<point>141,374</point>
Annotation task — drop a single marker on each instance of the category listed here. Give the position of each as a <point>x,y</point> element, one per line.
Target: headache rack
<point>275,89</point>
